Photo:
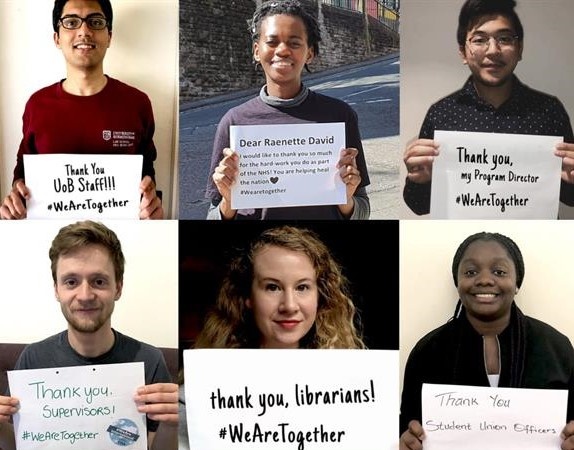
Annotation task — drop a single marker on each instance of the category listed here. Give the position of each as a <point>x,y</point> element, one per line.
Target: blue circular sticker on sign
<point>123,432</point>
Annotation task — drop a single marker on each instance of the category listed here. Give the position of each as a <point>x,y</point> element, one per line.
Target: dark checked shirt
<point>527,111</point>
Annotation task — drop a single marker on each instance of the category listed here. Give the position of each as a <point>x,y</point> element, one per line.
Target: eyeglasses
<point>95,22</point>
<point>481,42</point>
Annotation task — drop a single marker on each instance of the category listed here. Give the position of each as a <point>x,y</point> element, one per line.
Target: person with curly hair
<point>285,40</point>
<point>285,291</point>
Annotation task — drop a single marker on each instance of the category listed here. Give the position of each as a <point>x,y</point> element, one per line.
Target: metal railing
<point>385,11</point>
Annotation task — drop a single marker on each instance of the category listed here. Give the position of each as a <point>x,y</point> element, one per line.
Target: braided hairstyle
<point>510,246</point>
<point>292,8</point>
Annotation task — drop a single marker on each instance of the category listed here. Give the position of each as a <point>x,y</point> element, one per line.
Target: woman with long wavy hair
<point>285,291</point>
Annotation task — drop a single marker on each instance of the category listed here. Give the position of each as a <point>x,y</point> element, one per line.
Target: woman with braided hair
<point>488,341</point>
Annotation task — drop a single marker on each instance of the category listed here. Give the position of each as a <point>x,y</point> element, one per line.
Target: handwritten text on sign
<point>495,176</point>
<point>483,418</point>
<point>288,165</point>
<point>291,399</point>
<point>85,407</point>
<point>83,186</point>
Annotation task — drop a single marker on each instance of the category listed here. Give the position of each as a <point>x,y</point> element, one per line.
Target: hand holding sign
<point>14,206</point>
<point>418,158</point>
<point>150,204</point>
<point>87,407</point>
<point>8,406</point>
<point>351,176</point>
<point>159,401</point>
<point>224,176</point>
<point>348,171</point>
<point>568,436</point>
<point>566,152</point>
<point>286,165</point>
<point>412,437</point>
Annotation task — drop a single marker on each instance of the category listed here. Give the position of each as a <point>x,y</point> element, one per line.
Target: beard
<point>87,325</point>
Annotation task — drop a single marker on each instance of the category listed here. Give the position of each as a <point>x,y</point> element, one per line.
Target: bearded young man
<point>87,265</point>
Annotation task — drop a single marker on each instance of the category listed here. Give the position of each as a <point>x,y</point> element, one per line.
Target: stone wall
<point>215,45</point>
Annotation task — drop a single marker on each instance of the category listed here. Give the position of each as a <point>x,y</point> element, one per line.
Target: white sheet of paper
<point>86,407</point>
<point>261,399</point>
<point>83,186</point>
<point>495,176</point>
<point>484,418</point>
<point>288,165</point>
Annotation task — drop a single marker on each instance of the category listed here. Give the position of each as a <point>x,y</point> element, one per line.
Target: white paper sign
<point>288,165</point>
<point>495,176</point>
<point>484,418</point>
<point>84,407</point>
<point>83,186</point>
<point>260,399</point>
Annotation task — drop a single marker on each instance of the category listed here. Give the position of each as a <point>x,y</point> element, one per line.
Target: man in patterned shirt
<point>491,39</point>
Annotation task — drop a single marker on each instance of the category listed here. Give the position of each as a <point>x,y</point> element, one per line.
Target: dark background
<point>368,252</point>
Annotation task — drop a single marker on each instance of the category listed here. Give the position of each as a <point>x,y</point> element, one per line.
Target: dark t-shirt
<point>56,351</point>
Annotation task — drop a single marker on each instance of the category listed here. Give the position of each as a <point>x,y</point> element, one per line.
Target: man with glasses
<point>88,112</point>
<point>490,38</point>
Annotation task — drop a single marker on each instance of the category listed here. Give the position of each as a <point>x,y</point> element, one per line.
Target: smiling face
<point>494,65</point>
<point>487,282</point>
<point>283,50</point>
<point>83,49</point>
<point>284,296</point>
<point>86,288</point>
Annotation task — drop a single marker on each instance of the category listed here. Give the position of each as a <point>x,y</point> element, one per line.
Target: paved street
<point>371,89</point>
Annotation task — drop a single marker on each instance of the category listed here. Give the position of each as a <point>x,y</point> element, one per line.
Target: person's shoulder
<point>446,100</point>
<point>46,91</point>
<point>116,86</point>
<point>248,105</point>
<point>55,339</point>
<point>435,338</point>
<point>40,349</point>
<point>545,332</point>
<point>238,112</point>
<point>130,344</point>
<point>536,96</point>
<point>326,101</point>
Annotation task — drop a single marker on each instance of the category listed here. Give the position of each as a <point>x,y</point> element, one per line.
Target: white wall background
<point>432,68</point>
<point>427,292</point>
<point>147,309</point>
<point>143,53</point>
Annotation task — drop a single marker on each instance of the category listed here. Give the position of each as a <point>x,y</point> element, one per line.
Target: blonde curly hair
<point>230,324</point>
